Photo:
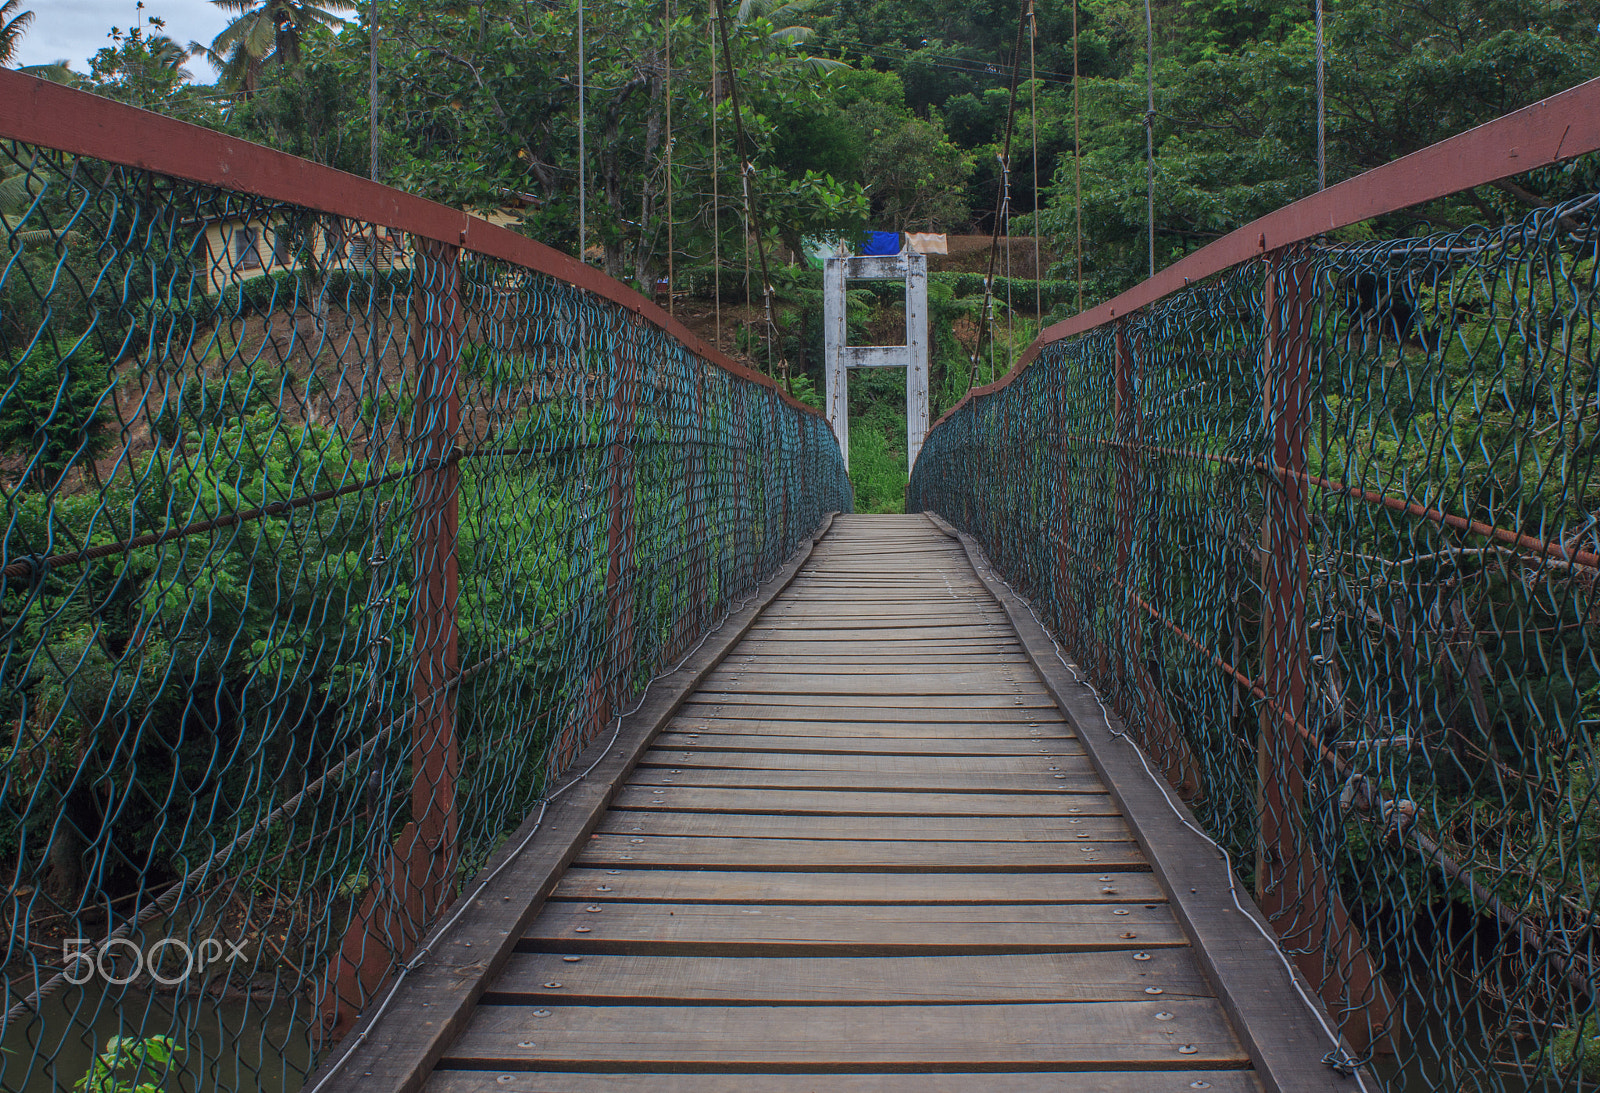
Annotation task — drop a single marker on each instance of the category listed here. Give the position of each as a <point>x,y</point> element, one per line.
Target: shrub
<point>52,407</point>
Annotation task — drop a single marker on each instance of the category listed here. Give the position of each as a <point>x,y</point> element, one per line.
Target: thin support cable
<point>671,306</point>
<point>716,179</point>
<point>1011,311</point>
<point>583,170</point>
<point>1322,107</point>
<point>1033,110</point>
<point>1149,134</point>
<point>372,91</point>
<point>1077,162</point>
<point>752,211</point>
<point>1002,196</point>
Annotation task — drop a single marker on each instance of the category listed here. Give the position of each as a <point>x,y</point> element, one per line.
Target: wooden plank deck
<point>868,854</point>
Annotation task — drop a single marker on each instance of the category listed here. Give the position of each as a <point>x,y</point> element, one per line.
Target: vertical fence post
<point>1292,882</point>
<point>410,889</point>
<point>435,758</point>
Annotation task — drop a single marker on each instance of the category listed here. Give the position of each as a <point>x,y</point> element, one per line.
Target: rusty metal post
<point>414,885</point>
<point>435,757</point>
<point>1293,886</point>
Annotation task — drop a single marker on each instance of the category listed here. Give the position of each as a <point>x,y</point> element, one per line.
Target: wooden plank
<point>1101,1081</point>
<point>804,661</point>
<point>872,720</point>
<point>876,744</point>
<point>908,779</point>
<point>669,759</point>
<point>846,642</point>
<point>1106,1034</point>
<point>1000,720</point>
<point>620,851</point>
<point>776,980</point>
<point>821,684</point>
<point>750,886</point>
<point>878,634</point>
<point>860,802</point>
<point>933,705</point>
<point>904,604</point>
<point>900,615</point>
<point>1009,830</point>
<point>1001,662</point>
<point>687,929</point>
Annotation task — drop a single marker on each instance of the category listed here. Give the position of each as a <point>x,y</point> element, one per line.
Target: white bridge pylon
<point>912,268</point>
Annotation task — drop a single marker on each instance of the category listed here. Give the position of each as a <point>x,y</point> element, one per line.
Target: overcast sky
<point>72,30</point>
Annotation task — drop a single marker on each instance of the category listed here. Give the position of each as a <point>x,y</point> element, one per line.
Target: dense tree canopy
<point>881,113</point>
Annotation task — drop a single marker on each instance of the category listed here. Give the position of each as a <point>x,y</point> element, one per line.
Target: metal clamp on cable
<point>1342,1061</point>
<point>33,567</point>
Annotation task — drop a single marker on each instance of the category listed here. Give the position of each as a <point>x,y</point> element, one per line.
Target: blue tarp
<point>877,243</point>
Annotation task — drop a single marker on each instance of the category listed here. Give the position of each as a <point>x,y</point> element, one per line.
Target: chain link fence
<point>1324,530</point>
<point>327,548</point>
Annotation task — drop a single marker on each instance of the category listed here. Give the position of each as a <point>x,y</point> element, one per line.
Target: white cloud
<point>73,30</point>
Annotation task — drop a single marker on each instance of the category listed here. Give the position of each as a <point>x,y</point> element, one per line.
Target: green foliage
<point>1577,1050</point>
<point>1234,129</point>
<point>128,1059</point>
<point>52,409</point>
<point>878,439</point>
<point>144,68</point>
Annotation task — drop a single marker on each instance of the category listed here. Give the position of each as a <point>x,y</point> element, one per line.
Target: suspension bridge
<point>431,666</point>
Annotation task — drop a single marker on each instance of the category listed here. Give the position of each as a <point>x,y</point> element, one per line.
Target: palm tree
<point>266,32</point>
<point>784,15</point>
<point>12,24</point>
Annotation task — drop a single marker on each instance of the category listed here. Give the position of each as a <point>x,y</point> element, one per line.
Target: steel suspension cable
<point>746,175</point>
<point>716,179</point>
<point>671,306</point>
<point>372,91</point>
<point>1322,107</point>
<point>1002,200</point>
<point>1033,109</point>
<point>1149,134</point>
<point>1077,161</point>
<point>583,171</point>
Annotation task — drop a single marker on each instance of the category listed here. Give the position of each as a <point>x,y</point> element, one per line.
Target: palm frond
<point>15,194</point>
<point>11,30</point>
<point>58,72</point>
<point>14,232</point>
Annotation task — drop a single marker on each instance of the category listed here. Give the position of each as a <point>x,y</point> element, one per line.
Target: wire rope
<point>1033,91</point>
<point>1322,106</point>
<point>671,305</point>
<point>1077,161</point>
<point>1149,135</point>
<point>583,163</point>
<point>716,176</point>
<point>1002,199</point>
<point>752,212</point>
